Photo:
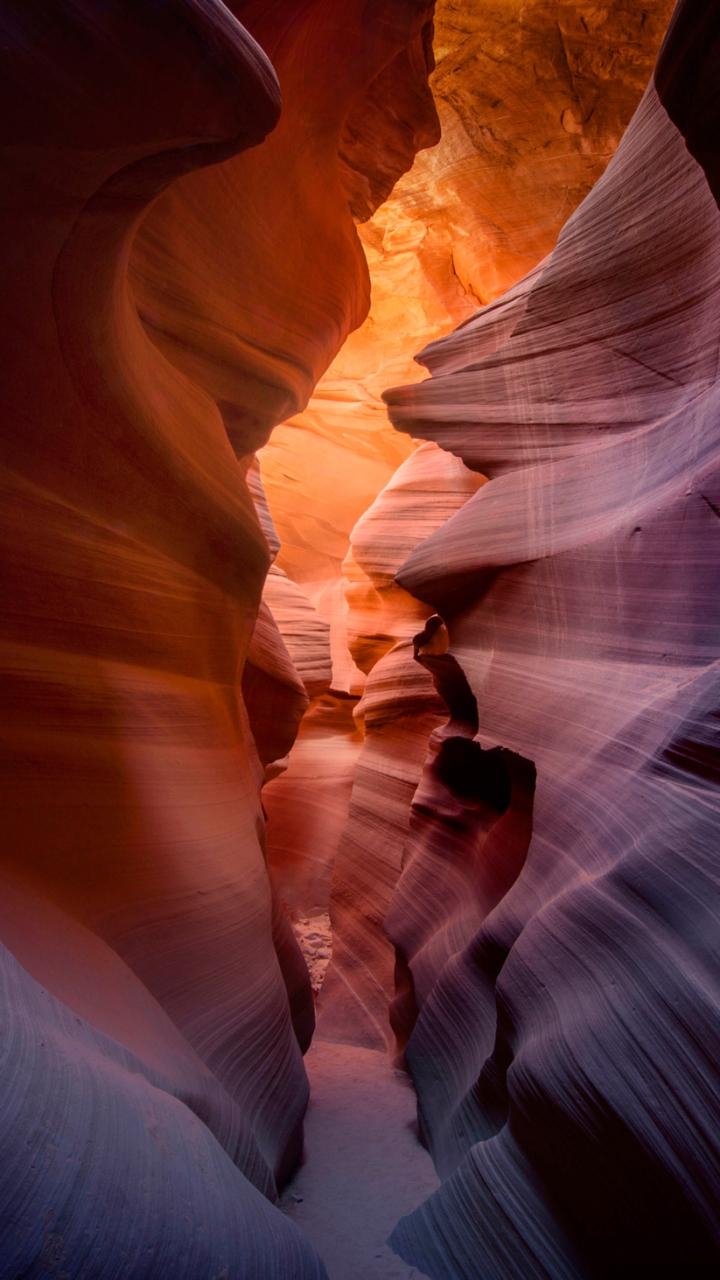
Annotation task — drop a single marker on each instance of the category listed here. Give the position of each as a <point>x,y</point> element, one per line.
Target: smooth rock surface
<point>533,97</point>
<point>257,323</point>
<point>364,1165</point>
<point>156,1001</point>
<point>565,1021</point>
<point>473,213</point>
<point>397,713</point>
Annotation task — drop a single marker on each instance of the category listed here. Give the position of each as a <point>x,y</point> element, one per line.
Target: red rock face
<point>558,992</point>
<point>180,264</point>
<point>155,1003</point>
<point>472,215</point>
<point>250,275</point>
<point>533,97</point>
<point>398,711</point>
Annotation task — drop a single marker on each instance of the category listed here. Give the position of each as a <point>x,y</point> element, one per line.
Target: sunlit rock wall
<point>306,794</point>
<point>398,711</point>
<point>155,1004</point>
<point>258,323</point>
<point>533,99</point>
<point>561,991</point>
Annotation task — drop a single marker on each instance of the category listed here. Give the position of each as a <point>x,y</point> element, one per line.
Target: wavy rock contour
<point>155,1003</point>
<point>564,1031</point>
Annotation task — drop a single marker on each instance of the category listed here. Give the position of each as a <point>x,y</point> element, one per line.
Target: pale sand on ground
<point>364,1167</point>
<point>314,935</point>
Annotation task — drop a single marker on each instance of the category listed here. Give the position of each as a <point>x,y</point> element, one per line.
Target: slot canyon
<point>359,912</point>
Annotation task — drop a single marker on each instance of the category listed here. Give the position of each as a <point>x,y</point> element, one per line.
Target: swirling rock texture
<point>397,713</point>
<point>425,491</point>
<point>155,1004</point>
<point>561,992</point>
<point>305,797</point>
<point>533,96</point>
<point>258,323</point>
<point>474,213</point>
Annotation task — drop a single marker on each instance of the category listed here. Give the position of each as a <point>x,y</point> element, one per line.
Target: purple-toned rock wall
<point>561,953</point>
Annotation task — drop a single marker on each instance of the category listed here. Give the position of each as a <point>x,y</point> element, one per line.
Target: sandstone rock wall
<point>155,1004</point>
<point>561,992</point>
<point>398,711</point>
<point>533,99</point>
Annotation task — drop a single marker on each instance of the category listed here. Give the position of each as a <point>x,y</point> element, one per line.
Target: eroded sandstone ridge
<point>533,98</point>
<point>560,992</point>
<point>181,263</point>
<point>155,1004</point>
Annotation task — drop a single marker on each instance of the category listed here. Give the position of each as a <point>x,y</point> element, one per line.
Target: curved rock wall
<point>173,286</point>
<point>533,97</point>
<point>258,323</point>
<point>398,711</point>
<point>128,800</point>
<point>154,1002</point>
<point>563,997</point>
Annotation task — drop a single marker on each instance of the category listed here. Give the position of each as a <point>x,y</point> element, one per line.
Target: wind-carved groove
<point>470,829</point>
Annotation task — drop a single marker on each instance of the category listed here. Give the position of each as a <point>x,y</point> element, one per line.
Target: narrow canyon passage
<point>364,1167</point>
<point>359,639</point>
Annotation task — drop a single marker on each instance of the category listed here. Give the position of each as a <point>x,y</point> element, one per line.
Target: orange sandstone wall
<point>154,1003</point>
<point>533,99</point>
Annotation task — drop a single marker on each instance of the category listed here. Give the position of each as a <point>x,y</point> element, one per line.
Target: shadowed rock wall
<point>562,996</point>
<point>533,97</point>
<point>155,1004</point>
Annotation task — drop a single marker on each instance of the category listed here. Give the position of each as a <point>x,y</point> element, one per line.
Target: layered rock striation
<point>258,323</point>
<point>398,711</point>
<point>154,1002</point>
<point>134,891</point>
<point>557,941</point>
<point>180,266</point>
<point>533,97</point>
